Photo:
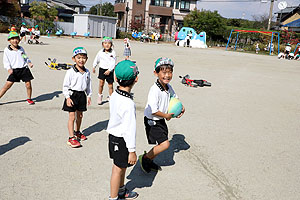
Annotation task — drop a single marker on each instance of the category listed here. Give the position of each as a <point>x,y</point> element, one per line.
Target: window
<point>185,5</point>
<point>152,21</point>
<point>137,18</point>
<point>139,1</point>
<point>157,2</point>
<point>177,4</point>
<point>172,4</point>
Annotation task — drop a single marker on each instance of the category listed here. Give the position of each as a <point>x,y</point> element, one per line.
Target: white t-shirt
<point>37,32</point>
<point>75,80</point>
<point>288,48</point>
<point>106,60</point>
<point>23,30</point>
<point>122,121</point>
<point>13,59</point>
<point>158,100</point>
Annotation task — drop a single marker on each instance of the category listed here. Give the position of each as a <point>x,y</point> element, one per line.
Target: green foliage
<point>107,9</point>
<point>122,35</point>
<point>210,22</point>
<point>40,11</point>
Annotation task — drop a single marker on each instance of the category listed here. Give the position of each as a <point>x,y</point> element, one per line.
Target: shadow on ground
<point>14,143</point>
<point>99,126</point>
<point>139,179</point>
<point>40,98</point>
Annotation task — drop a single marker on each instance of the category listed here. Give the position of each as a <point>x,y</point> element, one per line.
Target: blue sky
<point>228,10</point>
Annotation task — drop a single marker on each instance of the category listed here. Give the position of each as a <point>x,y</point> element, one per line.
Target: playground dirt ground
<point>238,139</point>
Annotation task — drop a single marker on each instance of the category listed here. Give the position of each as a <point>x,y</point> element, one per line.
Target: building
<point>65,8</point>
<point>164,16</point>
<point>288,18</point>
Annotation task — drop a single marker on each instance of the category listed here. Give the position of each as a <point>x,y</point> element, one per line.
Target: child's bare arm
<point>132,158</point>
<point>167,116</point>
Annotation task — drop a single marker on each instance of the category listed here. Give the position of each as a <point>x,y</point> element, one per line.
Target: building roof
<point>70,2</point>
<point>286,10</point>
<point>295,23</point>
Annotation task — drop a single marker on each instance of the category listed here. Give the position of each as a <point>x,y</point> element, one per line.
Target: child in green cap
<point>77,89</point>
<point>106,58</point>
<point>122,129</point>
<point>156,111</point>
<point>17,64</point>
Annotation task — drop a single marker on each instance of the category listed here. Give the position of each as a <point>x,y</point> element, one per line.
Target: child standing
<point>23,32</point>
<point>127,49</point>
<point>122,129</point>
<point>106,58</point>
<point>257,49</point>
<point>77,89</point>
<point>156,113</point>
<point>16,62</point>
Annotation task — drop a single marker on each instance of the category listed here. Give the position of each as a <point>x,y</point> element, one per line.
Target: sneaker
<point>154,166</point>
<point>30,102</point>
<point>128,195</point>
<point>79,135</point>
<point>73,142</point>
<point>100,97</point>
<point>145,163</point>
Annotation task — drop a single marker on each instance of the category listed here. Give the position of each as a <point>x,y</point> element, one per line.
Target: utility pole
<point>270,14</point>
<point>127,10</point>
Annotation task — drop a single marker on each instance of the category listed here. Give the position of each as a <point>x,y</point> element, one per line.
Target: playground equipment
<point>59,32</point>
<point>297,49</point>
<point>58,66</point>
<point>188,37</point>
<point>73,34</point>
<point>272,34</point>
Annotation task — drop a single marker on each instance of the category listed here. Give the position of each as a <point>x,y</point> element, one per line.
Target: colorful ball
<point>175,106</point>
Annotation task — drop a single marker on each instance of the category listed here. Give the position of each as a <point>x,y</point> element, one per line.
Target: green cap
<point>163,61</point>
<point>24,24</point>
<point>36,26</point>
<point>79,50</point>
<point>126,70</point>
<point>13,34</point>
<point>107,39</point>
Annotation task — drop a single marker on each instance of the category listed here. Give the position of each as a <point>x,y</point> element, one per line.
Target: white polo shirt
<point>106,60</point>
<point>14,59</point>
<point>122,121</point>
<point>75,80</point>
<point>158,100</point>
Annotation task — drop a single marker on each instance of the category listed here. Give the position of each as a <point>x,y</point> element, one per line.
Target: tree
<point>210,22</point>
<point>10,9</point>
<point>107,9</point>
<point>40,11</point>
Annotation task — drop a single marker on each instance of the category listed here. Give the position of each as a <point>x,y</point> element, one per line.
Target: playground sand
<point>241,135</point>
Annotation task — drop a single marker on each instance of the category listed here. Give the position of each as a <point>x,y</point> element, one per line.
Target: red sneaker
<point>30,102</point>
<point>73,142</point>
<point>80,136</point>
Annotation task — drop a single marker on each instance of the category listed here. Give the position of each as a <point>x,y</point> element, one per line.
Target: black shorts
<point>22,34</point>
<point>18,74</point>
<point>36,37</point>
<point>109,78</point>
<point>118,151</point>
<point>156,130</point>
<point>79,101</point>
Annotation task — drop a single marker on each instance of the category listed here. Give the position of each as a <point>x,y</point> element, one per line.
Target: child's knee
<point>28,85</point>
<point>80,115</point>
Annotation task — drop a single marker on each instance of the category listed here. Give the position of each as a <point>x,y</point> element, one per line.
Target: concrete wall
<point>67,27</point>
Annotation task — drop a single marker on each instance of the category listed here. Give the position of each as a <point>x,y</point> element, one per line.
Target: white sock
<point>110,198</point>
<point>100,95</point>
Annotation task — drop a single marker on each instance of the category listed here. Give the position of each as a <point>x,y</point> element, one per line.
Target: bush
<point>122,35</point>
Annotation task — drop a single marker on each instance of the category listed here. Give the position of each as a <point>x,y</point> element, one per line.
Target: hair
<point>163,67</point>
<point>83,54</point>
<point>126,83</point>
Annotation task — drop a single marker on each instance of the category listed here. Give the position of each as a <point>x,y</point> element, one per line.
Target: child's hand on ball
<point>169,116</point>
<point>182,111</point>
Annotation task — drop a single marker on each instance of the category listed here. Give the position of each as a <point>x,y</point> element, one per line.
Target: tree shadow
<point>14,143</point>
<point>43,97</point>
<point>46,97</point>
<point>139,179</point>
<point>99,126</point>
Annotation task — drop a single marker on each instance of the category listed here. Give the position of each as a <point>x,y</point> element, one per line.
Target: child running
<point>23,32</point>
<point>122,129</point>
<point>127,49</point>
<point>156,112</point>
<point>106,58</point>
<point>16,62</point>
<point>77,89</point>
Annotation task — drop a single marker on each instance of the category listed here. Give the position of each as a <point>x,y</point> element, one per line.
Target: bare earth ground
<point>238,139</point>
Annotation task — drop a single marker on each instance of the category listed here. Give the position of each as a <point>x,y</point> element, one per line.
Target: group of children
<point>122,123</point>
<point>33,31</point>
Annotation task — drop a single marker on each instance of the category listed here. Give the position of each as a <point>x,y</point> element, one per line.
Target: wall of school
<point>67,27</point>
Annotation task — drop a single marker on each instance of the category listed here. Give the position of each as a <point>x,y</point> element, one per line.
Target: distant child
<point>77,89</point>
<point>16,62</point>
<point>36,33</point>
<point>287,49</point>
<point>257,49</point>
<point>23,32</point>
<point>127,49</point>
<point>122,129</point>
<point>106,58</point>
<point>156,111</point>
